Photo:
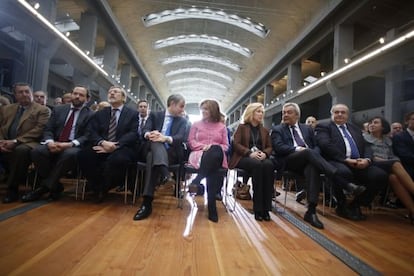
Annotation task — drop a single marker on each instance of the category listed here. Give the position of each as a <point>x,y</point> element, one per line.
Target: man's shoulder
<point>401,136</point>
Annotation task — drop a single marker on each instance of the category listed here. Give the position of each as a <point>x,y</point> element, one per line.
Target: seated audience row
<point>105,142</point>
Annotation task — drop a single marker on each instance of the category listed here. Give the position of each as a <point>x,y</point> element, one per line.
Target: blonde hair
<point>248,112</point>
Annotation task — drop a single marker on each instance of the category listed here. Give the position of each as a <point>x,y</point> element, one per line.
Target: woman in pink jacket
<point>208,143</point>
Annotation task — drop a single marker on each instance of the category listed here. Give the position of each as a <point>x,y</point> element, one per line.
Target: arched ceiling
<point>207,49</point>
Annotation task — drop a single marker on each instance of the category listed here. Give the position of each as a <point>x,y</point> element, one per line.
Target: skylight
<point>198,70</point>
<point>212,40</point>
<point>198,13</point>
<point>197,57</point>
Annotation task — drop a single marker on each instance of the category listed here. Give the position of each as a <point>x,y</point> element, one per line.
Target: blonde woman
<point>251,151</point>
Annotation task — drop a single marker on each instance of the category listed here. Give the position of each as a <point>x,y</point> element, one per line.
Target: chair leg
<point>126,186</point>
<point>285,181</point>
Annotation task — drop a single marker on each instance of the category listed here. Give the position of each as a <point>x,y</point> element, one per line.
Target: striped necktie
<point>112,126</point>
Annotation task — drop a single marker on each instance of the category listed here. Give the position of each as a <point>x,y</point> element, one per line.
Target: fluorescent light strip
<point>196,80</point>
<point>198,70</point>
<point>62,36</point>
<point>212,40</point>
<point>194,57</point>
<point>195,13</point>
<point>354,63</point>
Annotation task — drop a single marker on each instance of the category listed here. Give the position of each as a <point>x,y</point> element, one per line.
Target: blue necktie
<point>354,148</point>
<point>167,127</point>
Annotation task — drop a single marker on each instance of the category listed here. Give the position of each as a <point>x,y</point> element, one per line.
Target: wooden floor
<point>71,237</point>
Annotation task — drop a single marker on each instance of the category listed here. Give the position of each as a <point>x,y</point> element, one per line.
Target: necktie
<point>64,135</point>
<point>354,148</point>
<point>13,127</point>
<point>299,141</point>
<point>167,125</point>
<point>167,128</point>
<point>141,125</point>
<point>112,126</point>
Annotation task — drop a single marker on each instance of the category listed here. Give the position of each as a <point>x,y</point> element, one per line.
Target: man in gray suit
<point>64,136</point>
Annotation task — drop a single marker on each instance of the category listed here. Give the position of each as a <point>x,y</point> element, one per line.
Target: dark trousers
<point>52,166</point>
<point>105,170</point>
<point>158,159</point>
<point>372,177</point>
<point>209,168</point>
<point>262,180</point>
<point>17,163</point>
<point>311,164</point>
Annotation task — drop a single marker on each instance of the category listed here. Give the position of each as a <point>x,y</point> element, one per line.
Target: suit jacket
<point>241,143</point>
<point>332,145</point>
<point>283,145</point>
<point>177,132</point>
<point>178,127</point>
<point>126,130</point>
<point>31,124</point>
<point>403,146</point>
<point>57,121</point>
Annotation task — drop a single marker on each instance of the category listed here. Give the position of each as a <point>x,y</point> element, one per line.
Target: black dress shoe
<point>312,218</point>
<point>258,216</point>
<point>345,212</point>
<point>266,216</point>
<point>219,197</point>
<point>357,214</point>
<point>56,195</point>
<point>354,189</point>
<point>10,197</point>
<point>212,216</point>
<point>35,195</point>
<point>143,212</point>
<point>300,196</point>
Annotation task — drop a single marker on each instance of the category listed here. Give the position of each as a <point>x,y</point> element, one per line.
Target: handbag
<point>242,191</point>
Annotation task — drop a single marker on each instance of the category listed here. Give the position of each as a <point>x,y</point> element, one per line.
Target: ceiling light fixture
<point>60,35</point>
<point>212,40</point>
<point>198,13</point>
<point>208,58</point>
<point>198,70</point>
<point>197,81</point>
<point>392,44</point>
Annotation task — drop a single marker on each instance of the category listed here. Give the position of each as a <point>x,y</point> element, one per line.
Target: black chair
<point>189,170</point>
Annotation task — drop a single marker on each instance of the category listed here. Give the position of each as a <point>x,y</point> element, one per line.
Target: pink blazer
<point>206,133</point>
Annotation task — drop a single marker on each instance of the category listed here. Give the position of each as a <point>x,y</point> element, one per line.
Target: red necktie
<point>64,135</point>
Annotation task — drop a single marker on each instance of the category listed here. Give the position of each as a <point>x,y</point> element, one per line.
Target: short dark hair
<point>385,125</point>
<point>84,87</point>
<point>142,101</point>
<point>408,116</point>
<point>21,84</point>
<point>175,98</point>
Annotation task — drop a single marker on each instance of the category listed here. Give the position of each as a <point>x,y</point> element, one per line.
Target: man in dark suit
<point>403,144</point>
<point>64,135</point>
<point>112,134</point>
<point>343,146</point>
<point>295,149</point>
<point>21,127</point>
<point>165,131</point>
